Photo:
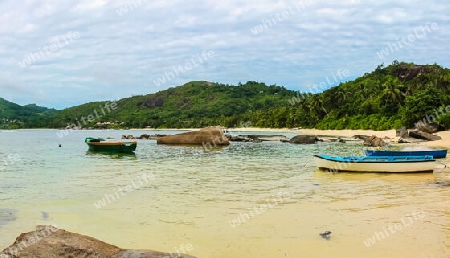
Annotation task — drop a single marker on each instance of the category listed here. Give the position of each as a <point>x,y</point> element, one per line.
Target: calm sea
<point>245,200</point>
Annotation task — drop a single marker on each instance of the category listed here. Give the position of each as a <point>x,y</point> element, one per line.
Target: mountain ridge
<point>388,97</point>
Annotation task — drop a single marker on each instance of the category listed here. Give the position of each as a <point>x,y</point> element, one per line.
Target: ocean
<point>245,200</point>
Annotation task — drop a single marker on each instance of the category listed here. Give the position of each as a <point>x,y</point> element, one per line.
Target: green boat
<point>102,145</point>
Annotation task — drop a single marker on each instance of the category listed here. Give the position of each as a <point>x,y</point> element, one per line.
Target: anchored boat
<point>377,164</point>
<point>421,151</point>
<point>100,144</point>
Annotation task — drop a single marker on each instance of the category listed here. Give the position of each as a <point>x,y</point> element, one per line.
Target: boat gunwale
<point>382,159</point>
<point>437,154</point>
<point>105,143</point>
<point>383,172</point>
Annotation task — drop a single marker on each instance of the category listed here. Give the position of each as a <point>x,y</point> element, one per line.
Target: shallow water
<point>245,200</point>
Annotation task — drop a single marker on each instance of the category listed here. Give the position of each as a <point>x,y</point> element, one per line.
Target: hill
<point>13,116</point>
<point>194,104</point>
<point>389,97</point>
<point>400,94</point>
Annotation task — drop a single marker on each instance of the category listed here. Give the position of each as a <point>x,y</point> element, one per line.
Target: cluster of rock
<point>421,132</point>
<point>50,242</point>
<point>143,137</point>
<point>215,136</point>
<point>256,138</point>
<point>374,141</point>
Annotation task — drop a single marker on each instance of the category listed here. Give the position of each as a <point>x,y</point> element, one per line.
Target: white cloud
<point>123,54</point>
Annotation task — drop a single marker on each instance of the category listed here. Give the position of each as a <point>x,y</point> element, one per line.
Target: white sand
<point>444,143</point>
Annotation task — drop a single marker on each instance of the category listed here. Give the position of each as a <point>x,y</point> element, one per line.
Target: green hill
<point>195,104</point>
<point>389,97</point>
<point>13,116</point>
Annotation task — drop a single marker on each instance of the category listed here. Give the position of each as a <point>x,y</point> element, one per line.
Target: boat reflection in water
<point>112,155</point>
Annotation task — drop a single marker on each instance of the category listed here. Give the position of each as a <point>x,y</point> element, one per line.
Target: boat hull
<point>116,148</point>
<point>100,145</point>
<point>437,154</point>
<point>390,164</point>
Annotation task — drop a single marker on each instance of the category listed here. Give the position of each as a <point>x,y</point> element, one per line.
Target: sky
<point>60,54</point>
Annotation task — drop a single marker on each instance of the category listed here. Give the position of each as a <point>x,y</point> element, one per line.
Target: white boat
<point>409,151</point>
<point>377,164</point>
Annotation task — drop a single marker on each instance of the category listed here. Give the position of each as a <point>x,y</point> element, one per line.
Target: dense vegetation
<point>195,104</point>
<point>13,116</point>
<point>389,97</point>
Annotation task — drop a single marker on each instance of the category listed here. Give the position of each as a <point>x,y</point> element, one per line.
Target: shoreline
<point>389,135</point>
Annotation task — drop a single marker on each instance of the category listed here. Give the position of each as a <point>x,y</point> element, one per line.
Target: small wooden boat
<point>437,154</point>
<point>377,164</point>
<point>99,144</point>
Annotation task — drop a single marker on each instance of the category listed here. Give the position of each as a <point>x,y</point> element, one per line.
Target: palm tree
<point>391,92</point>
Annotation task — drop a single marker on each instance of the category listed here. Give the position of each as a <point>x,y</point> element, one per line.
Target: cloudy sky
<point>64,53</point>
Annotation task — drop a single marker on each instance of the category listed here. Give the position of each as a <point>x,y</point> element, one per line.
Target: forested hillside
<point>13,116</point>
<point>389,97</point>
<point>195,104</point>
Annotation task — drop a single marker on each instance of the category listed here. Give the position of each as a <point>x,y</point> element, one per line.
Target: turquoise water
<point>195,196</point>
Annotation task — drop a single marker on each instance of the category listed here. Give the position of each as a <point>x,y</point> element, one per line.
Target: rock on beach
<point>213,136</point>
<point>50,242</point>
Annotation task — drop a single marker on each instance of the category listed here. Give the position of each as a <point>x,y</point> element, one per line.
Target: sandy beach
<point>388,135</point>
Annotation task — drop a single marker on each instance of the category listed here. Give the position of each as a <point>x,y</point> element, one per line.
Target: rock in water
<point>209,136</point>
<point>50,242</point>
<point>304,139</point>
<point>423,135</point>
<point>374,141</point>
<point>45,215</point>
<point>326,235</point>
<point>427,127</point>
<point>7,215</point>
<point>402,132</point>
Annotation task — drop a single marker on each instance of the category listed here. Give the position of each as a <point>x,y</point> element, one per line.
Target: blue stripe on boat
<point>437,154</point>
<point>377,159</point>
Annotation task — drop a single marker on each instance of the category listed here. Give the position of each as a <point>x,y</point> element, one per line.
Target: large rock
<point>427,127</point>
<point>237,138</point>
<point>374,141</point>
<point>211,136</point>
<point>410,140</point>
<point>402,132</point>
<point>304,139</point>
<point>50,242</point>
<point>361,137</point>
<point>423,135</point>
